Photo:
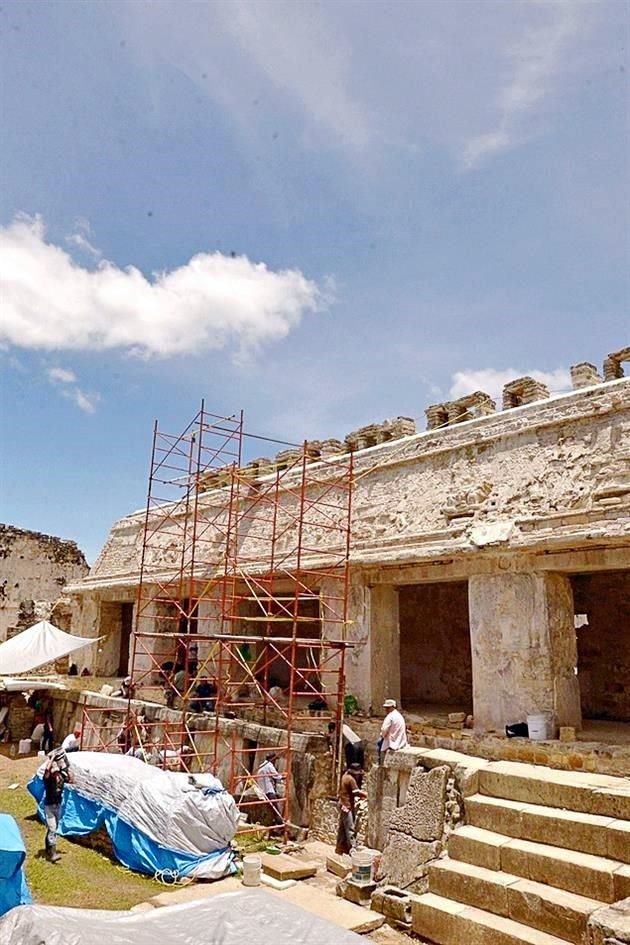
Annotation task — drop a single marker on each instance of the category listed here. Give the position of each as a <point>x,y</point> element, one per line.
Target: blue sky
<point>325,214</point>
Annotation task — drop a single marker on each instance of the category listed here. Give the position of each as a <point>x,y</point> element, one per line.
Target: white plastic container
<point>251,869</point>
<point>538,727</point>
<point>24,747</point>
<point>361,865</point>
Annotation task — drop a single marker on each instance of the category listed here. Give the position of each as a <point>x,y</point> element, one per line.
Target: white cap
<point>389,704</point>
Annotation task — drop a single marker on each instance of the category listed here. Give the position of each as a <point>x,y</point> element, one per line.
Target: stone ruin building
<point>34,572</point>
<point>474,546</point>
<point>488,579</point>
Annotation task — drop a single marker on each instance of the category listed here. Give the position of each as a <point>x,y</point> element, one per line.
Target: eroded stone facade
<point>34,571</point>
<point>513,504</point>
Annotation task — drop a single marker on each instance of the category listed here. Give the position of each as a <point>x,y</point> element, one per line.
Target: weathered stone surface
<point>618,840</point>
<point>393,903</point>
<point>359,893</point>
<point>477,846</point>
<point>405,860</point>
<point>405,759</point>
<point>610,925</point>
<point>339,865</point>
<point>382,790</point>
<point>473,885</point>
<point>495,813</point>
<point>422,815</point>
<point>551,910</point>
<point>576,872</point>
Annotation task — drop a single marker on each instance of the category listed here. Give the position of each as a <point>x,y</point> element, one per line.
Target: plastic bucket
<point>251,869</point>
<point>538,727</point>
<point>361,866</point>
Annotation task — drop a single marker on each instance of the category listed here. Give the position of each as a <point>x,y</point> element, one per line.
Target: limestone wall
<point>34,571</point>
<point>553,471</point>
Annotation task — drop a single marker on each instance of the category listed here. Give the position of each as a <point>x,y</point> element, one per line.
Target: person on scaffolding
<point>349,791</point>
<point>268,779</point>
<point>56,775</point>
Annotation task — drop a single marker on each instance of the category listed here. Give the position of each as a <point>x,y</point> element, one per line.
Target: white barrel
<point>361,865</point>
<point>251,869</point>
<point>24,747</point>
<point>538,726</point>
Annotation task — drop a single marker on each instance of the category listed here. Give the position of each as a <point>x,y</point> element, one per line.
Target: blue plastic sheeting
<point>134,846</point>
<point>13,887</point>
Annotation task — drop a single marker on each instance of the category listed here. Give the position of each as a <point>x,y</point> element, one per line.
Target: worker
<point>127,689</point>
<point>353,744</point>
<point>349,792</point>
<point>205,696</point>
<point>56,774</point>
<point>268,778</point>
<point>72,742</point>
<point>393,730</point>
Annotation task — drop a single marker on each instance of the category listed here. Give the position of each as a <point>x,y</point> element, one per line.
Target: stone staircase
<point>541,850</point>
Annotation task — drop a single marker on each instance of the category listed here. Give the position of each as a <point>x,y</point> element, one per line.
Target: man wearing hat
<point>393,730</point>
<point>55,775</point>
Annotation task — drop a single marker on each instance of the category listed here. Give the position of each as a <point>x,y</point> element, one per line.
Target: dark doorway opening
<point>126,627</point>
<point>435,656</point>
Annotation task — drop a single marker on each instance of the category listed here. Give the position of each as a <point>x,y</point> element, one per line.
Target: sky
<point>322,213</point>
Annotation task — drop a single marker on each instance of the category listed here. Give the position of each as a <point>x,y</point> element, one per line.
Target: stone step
<point>542,907</point>
<point>534,784</point>
<point>453,923</point>
<point>589,833</point>
<point>593,876</point>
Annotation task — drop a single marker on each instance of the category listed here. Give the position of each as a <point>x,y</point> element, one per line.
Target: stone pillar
<point>524,649</point>
<point>357,660</point>
<point>385,645</point>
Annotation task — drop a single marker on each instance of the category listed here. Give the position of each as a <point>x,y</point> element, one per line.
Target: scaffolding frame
<point>242,606</point>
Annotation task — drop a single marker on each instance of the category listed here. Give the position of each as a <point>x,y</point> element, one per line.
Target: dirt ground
<point>85,878</point>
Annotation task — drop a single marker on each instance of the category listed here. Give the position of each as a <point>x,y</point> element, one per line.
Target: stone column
<point>384,645</point>
<point>524,649</point>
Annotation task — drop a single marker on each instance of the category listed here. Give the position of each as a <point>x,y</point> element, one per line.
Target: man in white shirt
<point>268,778</point>
<point>393,729</point>
<point>72,742</point>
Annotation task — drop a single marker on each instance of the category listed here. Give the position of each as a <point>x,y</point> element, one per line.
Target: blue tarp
<point>13,887</point>
<point>134,847</point>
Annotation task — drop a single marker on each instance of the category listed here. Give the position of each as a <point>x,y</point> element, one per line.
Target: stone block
<point>567,733</point>
<point>476,846</point>
<point>618,840</point>
<point>473,885</point>
<point>562,828</point>
<point>493,813</point>
<point>422,815</point>
<point>359,893</point>
<point>405,759</point>
<point>581,873</point>
<point>454,718</point>
<point>339,865</point>
<point>551,910</point>
<point>393,903</point>
<point>622,883</point>
<point>610,925</point>
<point>281,866</point>
<point>405,860</point>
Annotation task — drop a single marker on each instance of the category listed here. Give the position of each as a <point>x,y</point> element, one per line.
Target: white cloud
<point>535,62</point>
<point>61,375</point>
<point>85,402</point>
<point>52,303</point>
<point>491,381</point>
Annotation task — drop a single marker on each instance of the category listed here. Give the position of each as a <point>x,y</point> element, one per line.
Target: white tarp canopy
<point>42,643</point>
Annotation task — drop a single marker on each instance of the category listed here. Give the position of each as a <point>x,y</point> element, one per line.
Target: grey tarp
<point>236,918</point>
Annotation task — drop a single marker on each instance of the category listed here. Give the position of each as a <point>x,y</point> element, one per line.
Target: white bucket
<point>538,726</point>
<point>24,747</point>
<point>361,865</point>
<point>251,869</point>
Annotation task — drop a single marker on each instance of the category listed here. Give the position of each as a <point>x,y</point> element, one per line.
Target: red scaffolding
<point>242,606</point>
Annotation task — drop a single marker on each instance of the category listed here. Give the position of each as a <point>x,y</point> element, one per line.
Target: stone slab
<point>339,911</point>
<point>472,885</point>
<point>281,866</point>
<point>405,759</point>
<point>581,873</point>
<point>451,923</point>
<point>622,883</point>
<point>422,814</point>
<point>611,924</point>
<point>393,903</point>
<point>563,828</point>
<point>551,910</point>
<point>477,846</point>
<point>618,840</point>
<point>359,893</point>
<point>495,813</point>
<point>339,865</point>
<point>404,859</point>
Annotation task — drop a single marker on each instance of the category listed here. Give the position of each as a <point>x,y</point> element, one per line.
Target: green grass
<point>83,878</point>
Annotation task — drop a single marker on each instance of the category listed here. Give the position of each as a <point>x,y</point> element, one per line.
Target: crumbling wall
<point>435,658</point>
<point>34,570</point>
<point>604,643</point>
